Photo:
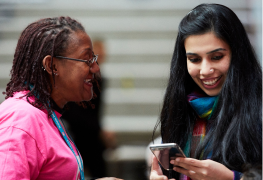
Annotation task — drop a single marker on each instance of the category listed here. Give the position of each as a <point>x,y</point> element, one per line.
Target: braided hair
<point>49,36</point>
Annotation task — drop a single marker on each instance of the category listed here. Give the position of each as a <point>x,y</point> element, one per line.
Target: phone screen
<point>166,154</point>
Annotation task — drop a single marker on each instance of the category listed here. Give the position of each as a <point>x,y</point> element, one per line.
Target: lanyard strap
<point>62,132</point>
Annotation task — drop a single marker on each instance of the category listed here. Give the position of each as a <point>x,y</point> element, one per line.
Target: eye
<point>193,60</point>
<point>217,57</point>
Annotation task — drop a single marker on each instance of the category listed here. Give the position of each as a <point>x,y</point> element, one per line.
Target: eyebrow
<point>195,54</point>
<point>219,49</point>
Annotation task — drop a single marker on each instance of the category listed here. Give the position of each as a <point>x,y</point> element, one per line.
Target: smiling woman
<point>213,102</point>
<point>53,64</point>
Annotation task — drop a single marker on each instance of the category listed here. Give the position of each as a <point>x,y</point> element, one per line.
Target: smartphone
<point>165,153</point>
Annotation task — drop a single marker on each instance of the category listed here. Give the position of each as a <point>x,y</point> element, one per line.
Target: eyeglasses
<point>88,62</point>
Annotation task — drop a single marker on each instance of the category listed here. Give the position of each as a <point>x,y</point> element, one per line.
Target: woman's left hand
<point>202,169</point>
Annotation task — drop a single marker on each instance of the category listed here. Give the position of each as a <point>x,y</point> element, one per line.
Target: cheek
<point>188,67</point>
<point>81,72</point>
<point>225,67</point>
<point>227,62</point>
<point>191,70</point>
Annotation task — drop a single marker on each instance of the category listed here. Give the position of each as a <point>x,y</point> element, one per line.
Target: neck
<point>58,98</point>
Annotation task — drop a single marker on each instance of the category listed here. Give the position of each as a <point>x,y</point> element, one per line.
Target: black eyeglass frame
<point>89,62</point>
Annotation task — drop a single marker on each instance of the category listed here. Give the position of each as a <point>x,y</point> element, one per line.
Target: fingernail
<point>177,159</point>
<point>172,161</point>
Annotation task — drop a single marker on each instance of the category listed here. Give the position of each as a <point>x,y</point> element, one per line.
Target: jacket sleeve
<point>20,157</point>
<point>237,175</point>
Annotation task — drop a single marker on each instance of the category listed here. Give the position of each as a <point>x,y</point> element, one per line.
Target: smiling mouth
<point>87,80</point>
<point>211,82</point>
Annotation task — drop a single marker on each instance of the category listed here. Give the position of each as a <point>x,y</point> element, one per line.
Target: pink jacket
<point>31,146</point>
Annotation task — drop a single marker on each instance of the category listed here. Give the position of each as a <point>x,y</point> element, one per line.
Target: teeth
<point>87,80</point>
<point>211,82</point>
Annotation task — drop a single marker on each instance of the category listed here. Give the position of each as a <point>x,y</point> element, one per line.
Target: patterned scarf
<point>203,106</point>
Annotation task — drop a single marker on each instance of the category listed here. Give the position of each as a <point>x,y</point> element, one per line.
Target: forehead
<point>79,42</point>
<point>204,43</point>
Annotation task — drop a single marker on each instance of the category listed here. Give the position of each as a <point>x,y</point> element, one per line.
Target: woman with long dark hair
<point>53,64</point>
<point>213,102</point>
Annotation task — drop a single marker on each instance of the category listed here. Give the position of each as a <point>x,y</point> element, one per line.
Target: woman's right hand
<point>156,171</point>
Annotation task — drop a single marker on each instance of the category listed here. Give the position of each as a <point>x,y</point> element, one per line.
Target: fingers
<point>155,167</point>
<point>188,163</point>
<point>156,172</point>
<point>189,173</point>
<point>201,169</point>
<point>188,166</point>
<point>155,164</point>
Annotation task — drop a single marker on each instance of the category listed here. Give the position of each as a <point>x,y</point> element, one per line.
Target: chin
<point>88,98</point>
<point>209,93</point>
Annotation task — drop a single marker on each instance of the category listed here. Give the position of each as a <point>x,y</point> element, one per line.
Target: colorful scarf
<point>203,106</point>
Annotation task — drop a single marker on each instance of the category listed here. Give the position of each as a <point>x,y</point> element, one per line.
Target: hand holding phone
<point>165,153</point>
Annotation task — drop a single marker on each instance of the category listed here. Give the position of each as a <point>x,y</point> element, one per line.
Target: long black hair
<point>235,137</point>
<point>49,36</point>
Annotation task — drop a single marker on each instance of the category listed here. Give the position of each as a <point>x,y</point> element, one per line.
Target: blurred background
<point>138,38</point>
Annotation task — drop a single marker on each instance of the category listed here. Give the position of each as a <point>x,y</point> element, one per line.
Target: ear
<point>47,65</point>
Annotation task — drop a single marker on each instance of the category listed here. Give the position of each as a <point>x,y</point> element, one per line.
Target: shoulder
<point>18,112</point>
<point>21,120</point>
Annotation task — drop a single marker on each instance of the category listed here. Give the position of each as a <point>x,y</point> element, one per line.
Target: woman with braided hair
<point>53,64</point>
<point>213,102</point>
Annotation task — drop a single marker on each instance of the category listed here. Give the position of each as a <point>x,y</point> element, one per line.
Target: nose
<point>206,67</point>
<point>94,68</point>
